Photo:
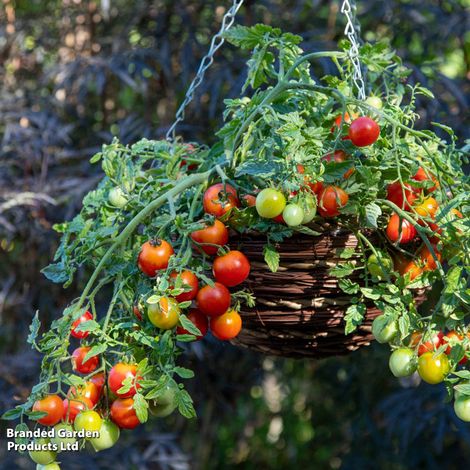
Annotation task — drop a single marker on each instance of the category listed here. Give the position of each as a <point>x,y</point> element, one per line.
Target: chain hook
<point>216,43</point>
<point>351,31</point>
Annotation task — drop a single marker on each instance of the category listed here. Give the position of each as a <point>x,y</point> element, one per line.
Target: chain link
<point>352,33</point>
<point>206,62</point>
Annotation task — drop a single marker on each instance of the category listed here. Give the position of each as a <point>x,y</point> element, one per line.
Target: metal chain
<point>206,62</point>
<point>352,32</point>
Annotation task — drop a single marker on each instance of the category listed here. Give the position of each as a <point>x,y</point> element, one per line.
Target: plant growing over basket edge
<point>293,152</point>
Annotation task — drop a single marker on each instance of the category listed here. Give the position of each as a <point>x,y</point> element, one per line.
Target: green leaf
<point>354,317</point>
<point>12,414</point>
<point>56,272</point>
<point>464,389</point>
<point>256,168</point>
<point>371,293</point>
<point>346,253</point>
<point>348,286</point>
<point>34,329</point>
<point>95,350</point>
<point>141,407</point>
<point>372,213</point>
<point>162,383</point>
<point>89,326</point>
<point>184,373</point>
<point>271,257</point>
<point>185,403</point>
<point>189,326</point>
<point>342,270</point>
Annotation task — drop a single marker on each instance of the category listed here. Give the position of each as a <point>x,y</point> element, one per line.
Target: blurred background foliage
<point>74,74</point>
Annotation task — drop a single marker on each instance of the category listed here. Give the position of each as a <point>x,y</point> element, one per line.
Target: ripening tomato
<point>402,362</point>
<point>339,156</point>
<point>421,175</point>
<point>72,407</point>
<point>374,101</point>
<point>428,208</point>
<point>293,215</point>
<point>226,326</point>
<point>339,120</point>
<point>188,280</point>
<point>81,334</point>
<point>453,338</point>
<point>44,455</point>
<point>432,368</point>
<point>118,374</point>
<point>270,203</point>
<point>249,200</point>
<point>427,259</point>
<point>211,237</point>
<point>462,408</point>
<point>400,230</point>
<point>199,320</point>
<point>88,421</point>
<point>402,196</point>
<point>53,406</point>
<point>108,436</point>
<point>123,413</point>
<point>331,200</point>
<point>165,313</point>
<point>213,301</point>
<point>436,340</point>
<point>363,131</point>
<point>84,367</point>
<point>231,269</point>
<point>154,255</point>
<point>90,390</point>
<point>99,380</point>
<point>219,199</point>
<point>384,329</point>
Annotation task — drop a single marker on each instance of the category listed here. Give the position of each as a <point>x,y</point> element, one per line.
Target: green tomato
<point>380,266</point>
<point>109,435</point>
<point>88,421</point>
<point>293,215</point>
<point>63,434</point>
<point>161,411</point>
<point>402,362</point>
<point>462,407</point>
<point>117,198</point>
<point>309,205</point>
<point>49,466</point>
<point>374,101</point>
<point>270,203</point>
<point>384,329</point>
<point>42,457</point>
<point>433,369</point>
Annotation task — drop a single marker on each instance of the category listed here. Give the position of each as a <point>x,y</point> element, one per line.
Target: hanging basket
<point>300,308</point>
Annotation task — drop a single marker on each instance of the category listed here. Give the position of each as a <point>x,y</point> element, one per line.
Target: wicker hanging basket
<point>300,308</point>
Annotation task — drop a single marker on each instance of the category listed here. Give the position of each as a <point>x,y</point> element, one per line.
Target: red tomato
<point>279,219</point>
<point>219,199</point>
<point>421,175</point>
<point>118,374</point>
<point>400,230</point>
<point>226,326</point>
<point>123,413</point>
<point>317,187</point>
<point>363,131</point>
<point>231,269</point>
<point>339,120</point>
<point>216,234</point>
<point>99,379</point>
<point>339,156</point>
<point>428,208</point>
<point>452,337</point>
<point>154,255</point>
<point>90,390</point>
<point>81,334</point>
<point>73,407</point>
<point>84,367</point>
<point>397,194</point>
<point>137,312</point>
<point>249,200</point>
<point>53,406</point>
<point>432,344</point>
<point>199,320</point>
<point>404,265</point>
<point>188,279</point>
<point>331,200</point>
<point>213,301</point>
<point>429,263</point>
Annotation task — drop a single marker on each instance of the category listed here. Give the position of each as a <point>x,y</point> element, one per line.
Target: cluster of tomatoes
<point>426,354</point>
